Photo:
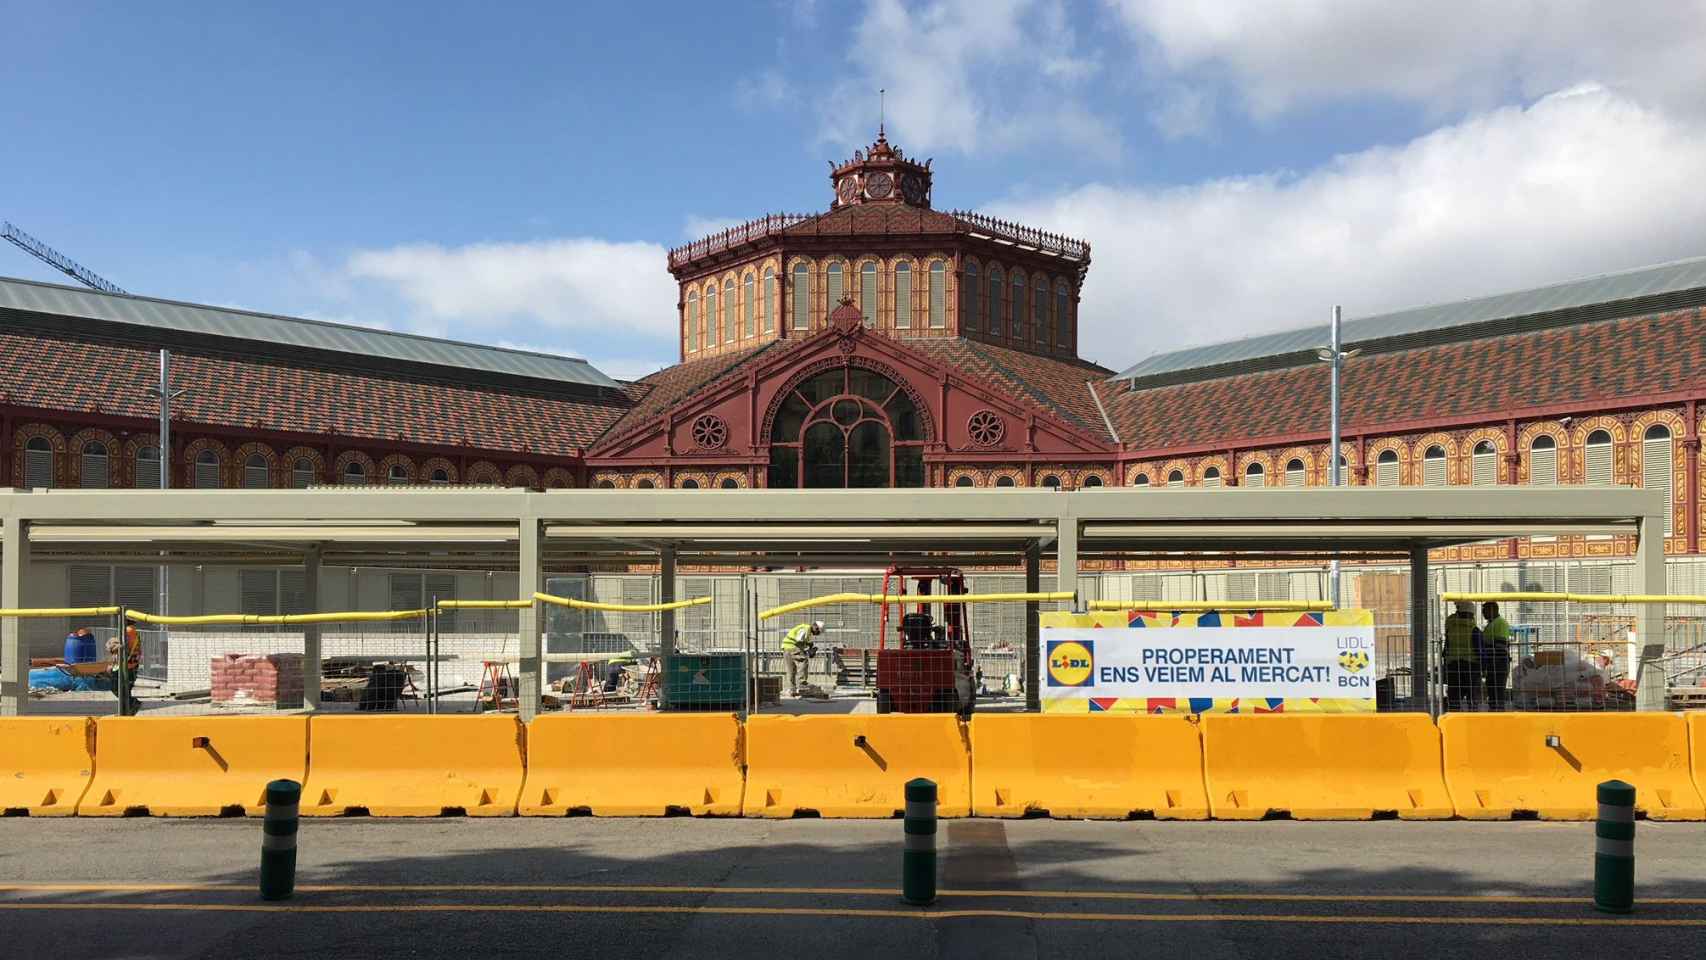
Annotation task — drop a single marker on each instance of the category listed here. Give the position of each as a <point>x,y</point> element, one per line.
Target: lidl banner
<point>1148,661</point>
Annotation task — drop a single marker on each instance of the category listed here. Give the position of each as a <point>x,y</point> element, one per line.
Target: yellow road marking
<point>846,913</point>
<point>1125,895</point>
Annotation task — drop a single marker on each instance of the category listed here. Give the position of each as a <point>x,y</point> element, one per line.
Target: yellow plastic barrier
<point>347,616</point>
<point>414,766</point>
<point>1324,767</point>
<point>854,766</point>
<point>1109,767</point>
<point>1299,606</point>
<point>1500,765</point>
<point>620,607</point>
<point>633,765</point>
<point>192,766</point>
<point>44,612</point>
<point>1531,596</point>
<point>832,599</point>
<point>45,764</point>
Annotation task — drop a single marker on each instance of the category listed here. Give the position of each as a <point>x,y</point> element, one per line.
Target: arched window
<point>606,485</point>
<point>397,475</point>
<point>1484,465</point>
<point>440,476</point>
<point>970,285</point>
<point>1062,314</point>
<point>1017,304</point>
<point>690,484</point>
<point>302,473</point>
<point>1175,479</point>
<point>769,302</point>
<point>1092,480</point>
<point>963,482</point>
<point>710,330</point>
<point>833,281</point>
<point>1656,466</point>
<point>1051,481</point>
<point>1386,469</point>
<point>1211,477</point>
<point>868,293</point>
<point>749,297</point>
<point>207,470</point>
<point>1004,482</point>
<point>147,468</point>
<point>997,310</point>
<point>97,466</point>
<point>354,474</point>
<point>1295,474</point>
<point>38,462</point>
<point>903,295</point>
<point>847,427</point>
<point>1045,326</point>
<point>256,475</point>
<point>1254,476</point>
<point>729,310</point>
<point>1433,467</point>
<point>802,296</point>
<point>1598,456</point>
<point>938,294</point>
<point>1543,461</point>
<point>645,485</point>
<point>695,317</point>
<point>729,483</point>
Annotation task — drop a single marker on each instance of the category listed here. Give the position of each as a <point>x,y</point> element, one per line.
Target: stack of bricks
<point>244,680</point>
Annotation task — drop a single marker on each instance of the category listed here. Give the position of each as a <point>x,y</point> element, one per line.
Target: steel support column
<point>1419,634</point>
<point>311,632</point>
<point>532,664</point>
<point>1033,633</point>
<point>15,681</point>
<point>1650,689</point>
<point>666,594</point>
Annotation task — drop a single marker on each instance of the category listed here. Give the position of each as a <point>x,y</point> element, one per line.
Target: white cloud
<point>696,226</point>
<point>1446,55</point>
<point>765,89</point>
<point>1576,184</point>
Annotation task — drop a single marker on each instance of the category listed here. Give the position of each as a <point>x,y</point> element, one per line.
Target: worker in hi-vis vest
<point>1495,656</point>
<point>797,653</point>
<point>1462,657</point>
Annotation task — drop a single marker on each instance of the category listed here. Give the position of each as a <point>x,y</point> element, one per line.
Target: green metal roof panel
<point>192,318</point>
<point>1656,281</point>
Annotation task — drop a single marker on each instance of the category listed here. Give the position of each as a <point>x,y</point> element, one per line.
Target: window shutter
<point>148,469</point>
<point>206,474</point>
<point>1045,329</point>
<point>1016,306</point>
<point>1598,464</point>
<point>1273,586</point>
<point>302,475</point>
<point>938,295</point>
<point>1386,472</point>
<point>256,476</point>
<point>903,295</point>
<point>1433,471</point>
<point>1656,471</point>
<point>691,322</point>
<point>443,587</point>
<point>970,286</point>
<point>1175,479</point>
<point>1062,315</point>
<point>708,319</point>
<point>293,592</point>
<point>1295,475</point>
<point>405,595</point>
<point>750,295</point>
<point>995,315</point>
<point>1485,471</point>
<point>38,468</point>
<point>868,294</point>
<point>1241,586</point>
<point>136,588</point>
<point>1542,465</point>
<point>728,311</point>
<point>95,472</point>
<point>834,287</point>
<point>769,301</point>
<point>802,296</point>
<point>1255,478</point>
<point>1211,479</point>
<point>260,592</point>
<point>91,586</point>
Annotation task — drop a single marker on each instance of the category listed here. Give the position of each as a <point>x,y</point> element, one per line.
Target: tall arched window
<point>1543,461</point>
<point>1211,477</point>
<point>1017,303</point>
<point>847,427</point>
<point>398,475</point>
<point>1656,466</point>
<point>256,476</point>
<point>938,294</point>
<point>1598,457</point>
<point>97,466</point>
<point>997,312</point>
<point>207,470</point>
<point>802,296</point>
<point>769,302</point>
<point>1045,326</point>
<point>694,318</point>
<point>1295,473</point>
<point>710,330</point>
<point>903,294</point>
<point>729,310</point>
<point>302,473</point>
<point>147,468</point>
<point>1062,314</point>
<point>1484,465</point>
<point>969,289</point>
<point>868,293</point>
<point>355,474</point>
<point>749,293</point>
<point>1433,467</point>
<point>38,462</point>
<point>1254,476</point>
<point>1386,469</point>
<point>833,273</point>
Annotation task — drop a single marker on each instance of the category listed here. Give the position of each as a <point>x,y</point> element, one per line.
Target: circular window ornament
<point>986,428</point>
<point>710,431</point>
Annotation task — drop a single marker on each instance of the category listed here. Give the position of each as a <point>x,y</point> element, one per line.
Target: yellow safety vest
<point>1497,630</point>
<point>1459,637</point>
<point>793,637</point>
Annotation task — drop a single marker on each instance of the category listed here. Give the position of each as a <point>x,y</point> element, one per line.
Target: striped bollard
<point>278,840</point>
<point>918,860</point>
<point>1614,849</point>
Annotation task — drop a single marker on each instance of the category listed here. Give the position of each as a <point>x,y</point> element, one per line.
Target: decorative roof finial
<point>882,109</point>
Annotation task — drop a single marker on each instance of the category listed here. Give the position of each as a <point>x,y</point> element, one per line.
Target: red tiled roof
<point>81,375</point>
<point>1653,354</point>
<point>1055,385</point>
<point>655,393</point>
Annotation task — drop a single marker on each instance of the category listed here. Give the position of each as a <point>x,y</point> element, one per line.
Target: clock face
<point>879,185</point>
<point>912,187</point>
<point>847,189</point>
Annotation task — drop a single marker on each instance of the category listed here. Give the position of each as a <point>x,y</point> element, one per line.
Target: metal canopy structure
<point>537,533</point>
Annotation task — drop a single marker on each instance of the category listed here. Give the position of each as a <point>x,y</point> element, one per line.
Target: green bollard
<point>278,840</point>
<point>918,860</point>
<point>1614,849</point>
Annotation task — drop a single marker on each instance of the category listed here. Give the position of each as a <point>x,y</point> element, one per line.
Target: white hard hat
<point>817,626</point>
<point>1465,606</point>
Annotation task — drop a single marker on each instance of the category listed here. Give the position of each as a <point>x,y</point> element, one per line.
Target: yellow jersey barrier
<point>833,599</point>
<point>1113,767</point>
<point>192,766</point>
<point>45,764</point>
<point>1697,750</point>
<point>1324,767</point>
<point>421,766</point>
<point>634,766</point>
<point>1501,765</point>
<point>854,766</point>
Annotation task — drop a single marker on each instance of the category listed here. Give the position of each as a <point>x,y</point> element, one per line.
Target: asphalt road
<point>822,889</point>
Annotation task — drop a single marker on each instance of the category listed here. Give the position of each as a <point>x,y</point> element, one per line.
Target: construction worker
<point>123,681</point>
<point>1462,657</point>
<point>797,653</point>
<point>1495,656</point>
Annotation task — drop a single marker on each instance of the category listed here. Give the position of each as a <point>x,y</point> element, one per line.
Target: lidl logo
<point>1354,661</point>
<point>1071,663</point>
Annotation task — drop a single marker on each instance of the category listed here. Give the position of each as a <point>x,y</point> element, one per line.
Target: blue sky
<point>513,173</point>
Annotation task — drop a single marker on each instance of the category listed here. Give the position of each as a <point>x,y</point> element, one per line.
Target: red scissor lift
<point>923,673</point>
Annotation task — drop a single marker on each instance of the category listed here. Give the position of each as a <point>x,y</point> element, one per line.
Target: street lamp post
<point>165,394</point>
<point>1332,354</point>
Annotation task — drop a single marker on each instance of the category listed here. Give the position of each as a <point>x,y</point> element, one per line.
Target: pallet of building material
<point>1688,698</point>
